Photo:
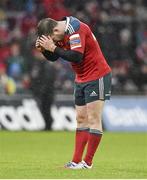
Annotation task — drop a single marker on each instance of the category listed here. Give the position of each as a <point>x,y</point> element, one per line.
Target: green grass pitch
<point>41,155</point>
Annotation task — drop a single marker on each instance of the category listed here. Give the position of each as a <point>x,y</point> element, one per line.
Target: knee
<point>94,118</point>
<point>81,118</point>
<point>94,111</point>
<point>94,121</point>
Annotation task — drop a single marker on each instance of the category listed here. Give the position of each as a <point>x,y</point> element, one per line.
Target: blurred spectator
<point>55,9</point>
<point>4,52</point>
<point>119,25</point>
<point>4,31</point>
<point>16,66</point>
<point>120,75</point>
<point>125,42</point>
<point>43,76</point>
<point>140,75</point>
<point>3,78</point>
<point>64,77</point>
<point>7,84</point>
<point>141,52</point>
<point>29,22</point>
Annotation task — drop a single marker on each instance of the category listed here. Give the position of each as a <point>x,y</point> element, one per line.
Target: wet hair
<point>46,26</point>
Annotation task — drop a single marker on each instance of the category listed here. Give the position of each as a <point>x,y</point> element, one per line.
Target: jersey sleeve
<point>77,42</point>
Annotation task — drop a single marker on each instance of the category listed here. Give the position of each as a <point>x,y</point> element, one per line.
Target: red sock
<point>93,142</point>
<point>80,143</point>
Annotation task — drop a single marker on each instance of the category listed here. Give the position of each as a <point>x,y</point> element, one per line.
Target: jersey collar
<point>72,25</point>
<point>69,28</point>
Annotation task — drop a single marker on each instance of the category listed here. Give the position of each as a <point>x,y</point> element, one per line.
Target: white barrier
<point>126,113</point>
<point>121,113</point>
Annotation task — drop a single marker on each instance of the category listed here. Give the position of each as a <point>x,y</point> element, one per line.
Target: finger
<point>42,44</point>
<point>43,37</point>
<point>41,41</point>
<point>37,45</point>
<point>37,39</point>
<point>49,37</point>
<point>37,42</point>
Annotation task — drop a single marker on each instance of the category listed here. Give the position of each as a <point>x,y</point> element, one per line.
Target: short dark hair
<point>46,26</point>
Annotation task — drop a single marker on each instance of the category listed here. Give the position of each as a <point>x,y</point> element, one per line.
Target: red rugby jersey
<point>93,65</point>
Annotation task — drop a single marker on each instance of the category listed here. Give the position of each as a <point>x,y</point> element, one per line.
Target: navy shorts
<point>99,89</point>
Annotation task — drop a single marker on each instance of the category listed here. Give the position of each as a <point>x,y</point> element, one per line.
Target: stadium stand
<point>119,25</point>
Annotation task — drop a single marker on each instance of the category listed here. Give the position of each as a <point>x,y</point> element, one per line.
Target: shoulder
<point>74,25</point>
<point>84,27</point>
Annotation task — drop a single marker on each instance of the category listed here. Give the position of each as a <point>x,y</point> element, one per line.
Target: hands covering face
<point>37,45</point>
<point>46,43</point>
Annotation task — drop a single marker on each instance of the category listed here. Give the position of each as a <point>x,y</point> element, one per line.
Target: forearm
<point>52,52</point>
<point>69,55</point>
<point>50,56</point>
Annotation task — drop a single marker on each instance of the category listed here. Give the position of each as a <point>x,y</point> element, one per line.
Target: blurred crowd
<point>119,25</point>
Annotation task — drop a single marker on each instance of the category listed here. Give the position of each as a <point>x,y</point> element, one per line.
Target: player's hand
<point>37,45</point>
<point>47,43</point>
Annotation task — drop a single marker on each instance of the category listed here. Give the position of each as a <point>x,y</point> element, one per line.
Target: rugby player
<point>73,41</point>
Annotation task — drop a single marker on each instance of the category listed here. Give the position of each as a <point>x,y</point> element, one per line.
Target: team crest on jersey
<point>75,41</point>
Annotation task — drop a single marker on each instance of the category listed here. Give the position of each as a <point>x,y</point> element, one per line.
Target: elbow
<point>78,58</point>
<point>78,61</point>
